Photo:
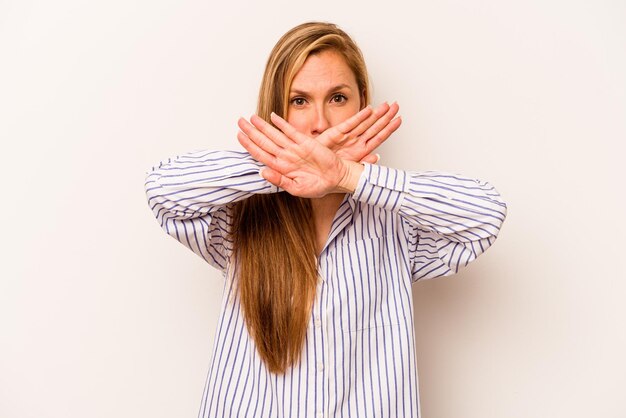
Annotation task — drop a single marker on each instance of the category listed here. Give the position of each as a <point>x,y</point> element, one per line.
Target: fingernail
<point>377,158</point>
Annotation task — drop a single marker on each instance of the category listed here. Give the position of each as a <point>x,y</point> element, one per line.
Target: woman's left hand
<point>301,166</point>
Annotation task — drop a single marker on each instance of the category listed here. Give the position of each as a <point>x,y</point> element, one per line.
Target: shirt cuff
<point>381,186</point>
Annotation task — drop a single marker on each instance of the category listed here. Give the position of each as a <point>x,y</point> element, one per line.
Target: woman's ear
<point>362,99</point>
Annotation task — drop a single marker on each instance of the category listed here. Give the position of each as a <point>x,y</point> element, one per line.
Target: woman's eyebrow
<point>334,88</point>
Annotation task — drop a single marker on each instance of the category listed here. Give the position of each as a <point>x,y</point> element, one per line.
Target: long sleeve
<point>190,196</point>
<point>448,219</point>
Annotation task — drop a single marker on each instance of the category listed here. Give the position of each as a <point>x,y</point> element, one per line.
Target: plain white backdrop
<point>103,315</point>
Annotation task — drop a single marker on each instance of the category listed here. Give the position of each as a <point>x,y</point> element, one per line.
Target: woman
<point>318,246</point>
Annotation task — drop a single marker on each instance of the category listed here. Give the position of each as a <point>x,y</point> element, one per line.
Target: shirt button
<point>320,366</point>
<point>320,415</point>
<point>318,323</point>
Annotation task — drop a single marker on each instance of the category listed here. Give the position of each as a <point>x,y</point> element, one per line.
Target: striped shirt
<point>359,354</point>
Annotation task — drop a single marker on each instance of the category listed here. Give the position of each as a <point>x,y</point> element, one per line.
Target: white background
<point>103,315</point>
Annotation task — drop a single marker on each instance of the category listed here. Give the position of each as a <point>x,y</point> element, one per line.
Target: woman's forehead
<point>322,71</point>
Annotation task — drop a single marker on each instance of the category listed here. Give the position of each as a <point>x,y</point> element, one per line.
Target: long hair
<point>274,234</point>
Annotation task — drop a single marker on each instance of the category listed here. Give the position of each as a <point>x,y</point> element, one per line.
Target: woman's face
<point>323,93</point>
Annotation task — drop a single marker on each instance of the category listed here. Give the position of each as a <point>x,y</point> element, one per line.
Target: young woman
<point>318,245</point>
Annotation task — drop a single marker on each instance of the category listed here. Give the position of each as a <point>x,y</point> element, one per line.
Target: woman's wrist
<point>350,178</point>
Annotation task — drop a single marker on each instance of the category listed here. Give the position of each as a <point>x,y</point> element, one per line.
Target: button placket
<point>318,313</point>
<point>325,332</point>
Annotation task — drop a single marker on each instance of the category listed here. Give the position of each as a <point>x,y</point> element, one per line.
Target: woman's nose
<point>320,122</point>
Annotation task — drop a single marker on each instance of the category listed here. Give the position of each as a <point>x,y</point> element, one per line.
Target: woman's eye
<point>339,98</point>
<point>298,101</point>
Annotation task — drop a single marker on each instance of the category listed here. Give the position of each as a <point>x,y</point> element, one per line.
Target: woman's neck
<point>324,211</point>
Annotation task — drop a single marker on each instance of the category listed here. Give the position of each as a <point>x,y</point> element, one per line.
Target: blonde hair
<point>274,234</point>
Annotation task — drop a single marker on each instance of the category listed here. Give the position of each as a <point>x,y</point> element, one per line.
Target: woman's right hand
<point>357,137</point>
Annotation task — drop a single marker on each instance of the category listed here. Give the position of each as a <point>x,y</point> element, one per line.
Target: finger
<point>288,129</point>
<point>384,119</point>
<point>382,122</point>
<point>259,138</point>
<point>277,179</point>
<point>339,133</point>
<point>374,117</point>
<point>371,159</point>
<point>354,121</point>
<point>268,130</point>
<point>383,135</point>
<point>382,109</point>
<point>255,151</point>
<point>272,176</point>
<point>377,113</point>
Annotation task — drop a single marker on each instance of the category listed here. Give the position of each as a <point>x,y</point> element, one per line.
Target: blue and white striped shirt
<point>359,354</point>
